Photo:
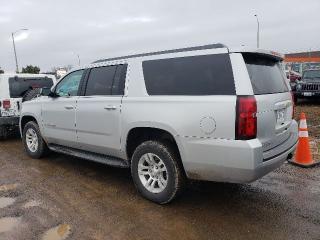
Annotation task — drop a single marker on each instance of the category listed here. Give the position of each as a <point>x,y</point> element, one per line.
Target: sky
<point>59,31</point>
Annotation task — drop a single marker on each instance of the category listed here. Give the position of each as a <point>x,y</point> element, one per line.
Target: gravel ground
<point>61,197</point>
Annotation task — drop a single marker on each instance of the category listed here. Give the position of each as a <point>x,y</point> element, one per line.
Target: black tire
<point>30,94</point>
<point>3,132</point>
<point>42,149</point>
<point>175,174</point>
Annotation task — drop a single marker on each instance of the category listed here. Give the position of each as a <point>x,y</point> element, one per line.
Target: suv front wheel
<point>156,172</point>
<point>33,143</point>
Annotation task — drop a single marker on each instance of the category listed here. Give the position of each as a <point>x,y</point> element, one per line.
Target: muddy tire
<point>156,172</point>
<point>3,132</point>
<point>33,142</point>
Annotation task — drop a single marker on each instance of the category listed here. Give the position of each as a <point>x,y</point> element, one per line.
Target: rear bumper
<point>234,161</point>
<point>11,121</point>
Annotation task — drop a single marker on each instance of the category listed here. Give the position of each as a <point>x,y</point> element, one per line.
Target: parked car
<point>309,86</point>
<point>15,88</point>
<point>205,113</point>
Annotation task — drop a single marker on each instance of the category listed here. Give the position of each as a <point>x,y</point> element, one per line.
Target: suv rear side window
<point>265,73</point>
<point>19,86</point>
<point>196,75</point>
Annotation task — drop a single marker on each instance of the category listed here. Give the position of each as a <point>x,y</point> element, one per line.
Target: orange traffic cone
<point>303,156</point>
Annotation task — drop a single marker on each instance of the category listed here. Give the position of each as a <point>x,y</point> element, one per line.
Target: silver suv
<point>205,113</point>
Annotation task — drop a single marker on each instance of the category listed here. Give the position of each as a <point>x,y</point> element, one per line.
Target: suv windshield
<point>19,86</point>
<point>265,73</point>
<point>311,74</point>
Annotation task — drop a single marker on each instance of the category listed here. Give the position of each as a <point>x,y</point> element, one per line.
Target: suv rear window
<point>19,86</point>
<point>196,75</point>
<point>265,73</point>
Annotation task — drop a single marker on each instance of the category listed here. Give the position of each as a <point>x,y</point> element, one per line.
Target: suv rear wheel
<point>156,172</point>
<point>33,142</point>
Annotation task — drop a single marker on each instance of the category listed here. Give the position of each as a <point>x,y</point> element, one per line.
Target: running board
<point>96,157</point>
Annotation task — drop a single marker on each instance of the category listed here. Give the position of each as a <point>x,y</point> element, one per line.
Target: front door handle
<point>69,107</point>
<point>110,107</point>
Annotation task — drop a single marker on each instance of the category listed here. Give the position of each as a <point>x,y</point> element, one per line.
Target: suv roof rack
<point>203,47</point>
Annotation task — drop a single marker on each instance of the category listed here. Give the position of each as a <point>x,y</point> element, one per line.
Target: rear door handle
<point>110,107</point>
<point>69,107</point>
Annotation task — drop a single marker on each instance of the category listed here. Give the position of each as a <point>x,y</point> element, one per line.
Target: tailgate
<point>274,118</point>
<point>13,110</point>
<point>274,101</point>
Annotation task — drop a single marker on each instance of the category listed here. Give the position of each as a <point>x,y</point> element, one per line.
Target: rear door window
<point>265,73</point>
<point>100,81</point>
<point>19,86</point>
<point>106,80</point>
<point>195,75</point>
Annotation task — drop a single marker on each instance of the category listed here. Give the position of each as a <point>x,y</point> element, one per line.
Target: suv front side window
<point>69,85</point>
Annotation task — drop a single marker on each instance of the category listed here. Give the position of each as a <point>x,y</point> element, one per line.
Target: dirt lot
<point>61,197</point>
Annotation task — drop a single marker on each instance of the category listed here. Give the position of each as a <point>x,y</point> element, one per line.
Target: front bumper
<point>225,160</point>
<point>306,94</point>
<point>9,121</point>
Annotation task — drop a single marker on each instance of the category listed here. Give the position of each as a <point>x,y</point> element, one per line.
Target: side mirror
<point>45,91</point>
<point>53,94</point>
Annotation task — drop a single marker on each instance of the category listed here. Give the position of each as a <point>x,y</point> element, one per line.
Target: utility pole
<point>15,53</point>
<point>14,47</point>
<point>78,59</point>
<point>258,31</point>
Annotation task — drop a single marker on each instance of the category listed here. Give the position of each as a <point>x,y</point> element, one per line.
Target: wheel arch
<point>139,133</point>
<point>28,118</point>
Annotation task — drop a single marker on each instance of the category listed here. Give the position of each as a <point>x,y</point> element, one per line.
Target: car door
<point>58,111</point>
<point>98,110</point>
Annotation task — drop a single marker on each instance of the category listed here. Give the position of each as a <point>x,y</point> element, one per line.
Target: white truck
<point>14,89</point>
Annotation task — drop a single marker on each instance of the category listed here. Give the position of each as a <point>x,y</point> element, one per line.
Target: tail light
<point>293,104</point>
<point>246,119</point>
<point>6,104</point>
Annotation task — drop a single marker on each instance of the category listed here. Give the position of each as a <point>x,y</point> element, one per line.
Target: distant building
<point>303,60</point>
<point>60,72</point>
<point>303,57</point>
